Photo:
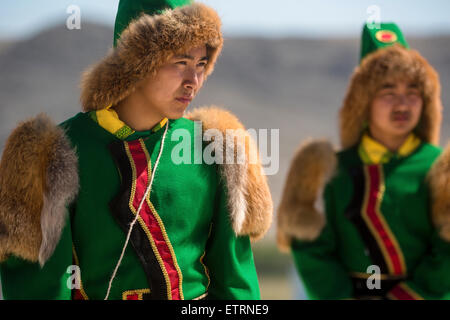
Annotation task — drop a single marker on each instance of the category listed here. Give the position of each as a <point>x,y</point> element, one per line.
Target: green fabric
<point>321,272</point>
<point>189,199</point>
<point>370,43</point>
<point>431,278</point>
<point>24,280</point>
<point>129,10</point>
<point>325,264</point>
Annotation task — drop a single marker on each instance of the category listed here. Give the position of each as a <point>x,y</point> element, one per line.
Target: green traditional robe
<point>183,246</point>
<point>378,219</point>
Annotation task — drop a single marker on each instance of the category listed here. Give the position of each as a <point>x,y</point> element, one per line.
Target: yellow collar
<point>109,120</point>
<point>373,152</point>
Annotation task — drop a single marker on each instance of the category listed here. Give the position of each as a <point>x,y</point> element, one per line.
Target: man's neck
<point>136,114</point>
<point>391,142</point>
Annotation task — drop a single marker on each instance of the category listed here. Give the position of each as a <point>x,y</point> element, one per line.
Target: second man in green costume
<point>384,233</point>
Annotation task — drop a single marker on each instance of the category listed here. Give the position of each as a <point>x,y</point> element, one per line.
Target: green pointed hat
<point>129,10</point>
<point>379,36</point>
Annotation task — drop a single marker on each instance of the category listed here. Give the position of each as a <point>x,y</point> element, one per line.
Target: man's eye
<point>183,63</point>
<point>201,64</point>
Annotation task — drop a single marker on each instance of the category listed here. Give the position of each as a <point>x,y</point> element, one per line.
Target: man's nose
<point>401,101</point>
<point>190,79</point>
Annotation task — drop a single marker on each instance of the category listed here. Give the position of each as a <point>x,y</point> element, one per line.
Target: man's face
<point>175,84</point>
<point>396,109</point>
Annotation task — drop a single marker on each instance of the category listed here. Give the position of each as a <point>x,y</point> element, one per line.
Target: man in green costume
<point>140,223</point>
<point>385,231</point>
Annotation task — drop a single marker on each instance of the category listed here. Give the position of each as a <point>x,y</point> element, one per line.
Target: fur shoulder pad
<point>38,178</point>
<point>311,169</point>
<point>439,182</point>
<point>249,198</point>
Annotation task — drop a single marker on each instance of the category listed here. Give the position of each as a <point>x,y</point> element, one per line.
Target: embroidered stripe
<point>140,237</point>
<point>161,224</point>
<point>135,294</point>
<point>376,222</point>
<point>149,219</point>
<point>203,296</point>
<point>362,275</point>
<point>78,294</point>
<point>203,264</point>
<point>354,212</point>
<point>404,292</point>
<point>169,245</point>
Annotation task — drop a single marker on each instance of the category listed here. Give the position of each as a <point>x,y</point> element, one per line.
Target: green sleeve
<point>23,280</point>
<point>320,270</point>
<point>431,278</point>
<point>229,259</point>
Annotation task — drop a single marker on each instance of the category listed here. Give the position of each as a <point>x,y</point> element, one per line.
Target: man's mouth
<point>400,117</point>
<point>185,99</point>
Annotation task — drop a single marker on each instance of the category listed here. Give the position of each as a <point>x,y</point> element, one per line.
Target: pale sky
<point>320,18</point>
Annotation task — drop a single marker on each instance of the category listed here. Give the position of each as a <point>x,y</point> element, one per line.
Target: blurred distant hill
<point>295,85</point>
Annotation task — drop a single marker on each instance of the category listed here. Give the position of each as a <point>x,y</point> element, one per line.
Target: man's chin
<point>401,132</point>
<point>175,115</point>
<point>402,126</point>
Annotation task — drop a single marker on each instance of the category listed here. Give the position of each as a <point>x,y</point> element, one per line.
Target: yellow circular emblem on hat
<point>386,36</point>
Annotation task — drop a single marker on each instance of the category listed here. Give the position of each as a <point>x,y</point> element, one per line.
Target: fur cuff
<point>311,169</point>
<point>439,182</point>
<point>249,198</point>
<point>145,46</point>
<point>38,178</point>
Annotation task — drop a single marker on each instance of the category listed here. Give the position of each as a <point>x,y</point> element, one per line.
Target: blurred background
<point>285,65</point>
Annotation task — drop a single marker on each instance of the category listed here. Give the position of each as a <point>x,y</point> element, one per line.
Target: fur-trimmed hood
<point>144,46</point>
<point>393,62</point>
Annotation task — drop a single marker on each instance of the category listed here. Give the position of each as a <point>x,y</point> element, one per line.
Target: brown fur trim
<point>393,63</point>
<point>249,199</point>
<point>38,177</point>
<point>146,45</point>
<point>311,169</point>
<point>439,181</point>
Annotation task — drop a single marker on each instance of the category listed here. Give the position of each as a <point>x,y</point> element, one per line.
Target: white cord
<point>137,213</point>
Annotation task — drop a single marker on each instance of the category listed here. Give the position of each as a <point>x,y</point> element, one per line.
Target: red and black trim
<point>403,292</point>
<point>376,222</point>
<point>353,213</point>
<point>364,211</point>
<point>148,237</point>
<point>142,294</point>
